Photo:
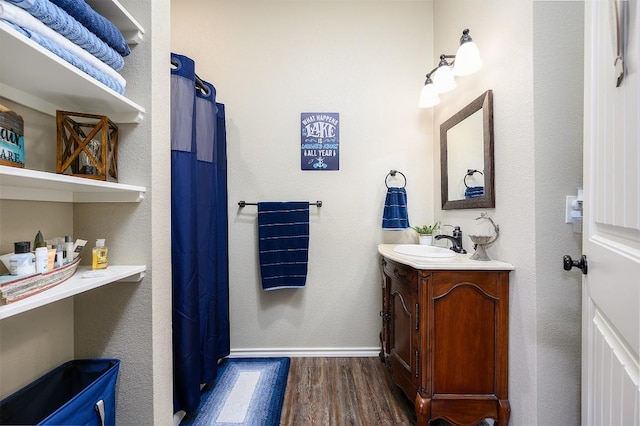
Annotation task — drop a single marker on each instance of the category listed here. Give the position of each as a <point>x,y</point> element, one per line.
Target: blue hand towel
<point>283,241</point>
<point>395,216</point>
<point>96,23</point>
<point>474,192</point>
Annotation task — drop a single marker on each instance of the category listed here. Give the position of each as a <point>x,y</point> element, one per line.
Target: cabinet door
<point>403,327</point>
<point>386,317</point>
<point>468,327</point>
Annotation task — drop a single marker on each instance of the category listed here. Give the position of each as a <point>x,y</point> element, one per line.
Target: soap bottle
<point>59,262</point>
<point>68,249</point>
<point>22,261</point>
<point>100,260</point>
<point>42,260</point>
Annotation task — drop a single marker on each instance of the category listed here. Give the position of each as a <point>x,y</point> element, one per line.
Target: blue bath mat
<point>248,391</point>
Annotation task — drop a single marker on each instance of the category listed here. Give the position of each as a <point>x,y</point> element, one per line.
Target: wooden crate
<point>87,146</point>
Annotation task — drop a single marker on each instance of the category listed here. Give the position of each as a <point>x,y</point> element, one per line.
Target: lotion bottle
<point>42,257</point>
<point>100,260</point>
<point>22,262</point>
<point>59,256</point>
<point>68,249</point>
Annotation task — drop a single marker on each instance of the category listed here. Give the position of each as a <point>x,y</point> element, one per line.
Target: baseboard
<point>305,352</point>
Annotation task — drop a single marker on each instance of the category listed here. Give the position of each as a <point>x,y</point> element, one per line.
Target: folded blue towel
<point>20,17</point>
<point>96,23</point>
<point>283,240</point>
<point>474,192</point>
<point>69,57</point>
<point>395,216</point>
<point>60,21</point>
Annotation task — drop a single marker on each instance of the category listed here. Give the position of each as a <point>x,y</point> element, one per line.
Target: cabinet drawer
<point>402,273</point>
<point>491,283</point>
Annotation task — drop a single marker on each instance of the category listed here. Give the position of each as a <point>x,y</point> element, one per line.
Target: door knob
<point>570,263</point>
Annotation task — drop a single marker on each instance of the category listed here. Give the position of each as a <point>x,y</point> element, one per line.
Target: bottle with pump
<point>100,260</point>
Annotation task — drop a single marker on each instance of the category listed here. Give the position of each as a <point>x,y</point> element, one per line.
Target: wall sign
<point>320,140</point>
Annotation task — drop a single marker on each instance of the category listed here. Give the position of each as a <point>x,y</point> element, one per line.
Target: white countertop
<point>457,263</point>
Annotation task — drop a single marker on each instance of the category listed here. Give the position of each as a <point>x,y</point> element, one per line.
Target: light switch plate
<point>568,209</point>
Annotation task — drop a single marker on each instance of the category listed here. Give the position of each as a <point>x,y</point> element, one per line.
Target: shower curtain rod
<point>199,83</point>
<point>244,203</point>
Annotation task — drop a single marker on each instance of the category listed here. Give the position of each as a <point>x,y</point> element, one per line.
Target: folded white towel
<point>24,19</point>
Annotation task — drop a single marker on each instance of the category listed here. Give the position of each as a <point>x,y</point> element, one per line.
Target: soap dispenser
<point>100,260</point>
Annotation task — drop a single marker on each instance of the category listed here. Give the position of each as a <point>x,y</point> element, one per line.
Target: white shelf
<point>74,285</point>
<point>41,80</point>
<point>121,18</point>
<point>33,185</point>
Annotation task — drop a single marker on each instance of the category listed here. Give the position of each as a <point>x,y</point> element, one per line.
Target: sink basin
<point>425,251</point>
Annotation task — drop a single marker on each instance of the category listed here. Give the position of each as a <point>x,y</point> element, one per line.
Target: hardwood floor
<point>343,391</point>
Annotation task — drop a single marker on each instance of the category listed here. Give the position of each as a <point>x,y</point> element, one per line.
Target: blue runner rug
<point>248,391</point>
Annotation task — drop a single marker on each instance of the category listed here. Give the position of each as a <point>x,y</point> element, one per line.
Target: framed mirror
<point>466,156</point>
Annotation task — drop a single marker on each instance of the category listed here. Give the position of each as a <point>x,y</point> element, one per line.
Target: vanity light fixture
<point>466,61</point>
<point>467,57</point>
<point>443,76</point>
<point>429,95</point>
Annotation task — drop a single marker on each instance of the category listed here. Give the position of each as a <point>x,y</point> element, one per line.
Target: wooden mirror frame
<point>485,103</point>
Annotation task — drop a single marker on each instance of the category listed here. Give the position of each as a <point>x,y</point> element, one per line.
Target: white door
<point>611,229</point>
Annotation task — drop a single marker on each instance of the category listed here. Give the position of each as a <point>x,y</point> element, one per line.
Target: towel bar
<point>244,203</point>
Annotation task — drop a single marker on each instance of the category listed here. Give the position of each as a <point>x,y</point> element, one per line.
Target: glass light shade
<point>428,96</point>
<point>443,79</point>
<point>467,59</point>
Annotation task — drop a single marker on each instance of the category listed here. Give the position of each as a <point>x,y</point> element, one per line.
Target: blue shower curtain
<point>199,238</point>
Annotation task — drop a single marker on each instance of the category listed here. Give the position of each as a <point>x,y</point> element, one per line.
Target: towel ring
<point>470,172</point>
<point>393,173</point>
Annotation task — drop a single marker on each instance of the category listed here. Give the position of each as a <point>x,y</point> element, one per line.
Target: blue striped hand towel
<point>474,192</point>
<point>395,216</point>
<point>283,241</point>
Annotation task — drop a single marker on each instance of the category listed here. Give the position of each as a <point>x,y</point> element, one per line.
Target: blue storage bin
<point>79,392</point>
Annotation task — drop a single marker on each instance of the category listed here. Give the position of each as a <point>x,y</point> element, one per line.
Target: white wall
<point>508,70</point>
<point>558,112</point>
<point>129,321</point>
<point>367,60</point>
<point>132,321</point>
<point>34,342</point>
<point>270,61</point>
<point>537,119</point>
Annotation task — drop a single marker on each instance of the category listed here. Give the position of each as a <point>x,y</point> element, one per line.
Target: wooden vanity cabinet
<point>445,341</point>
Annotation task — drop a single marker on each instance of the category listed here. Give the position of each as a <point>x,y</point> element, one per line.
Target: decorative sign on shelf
<point>11,138</point>
<point>320,137</point>
<point>87,146</point>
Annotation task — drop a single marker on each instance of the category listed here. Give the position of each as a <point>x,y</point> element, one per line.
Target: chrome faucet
<point>456,240</point>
